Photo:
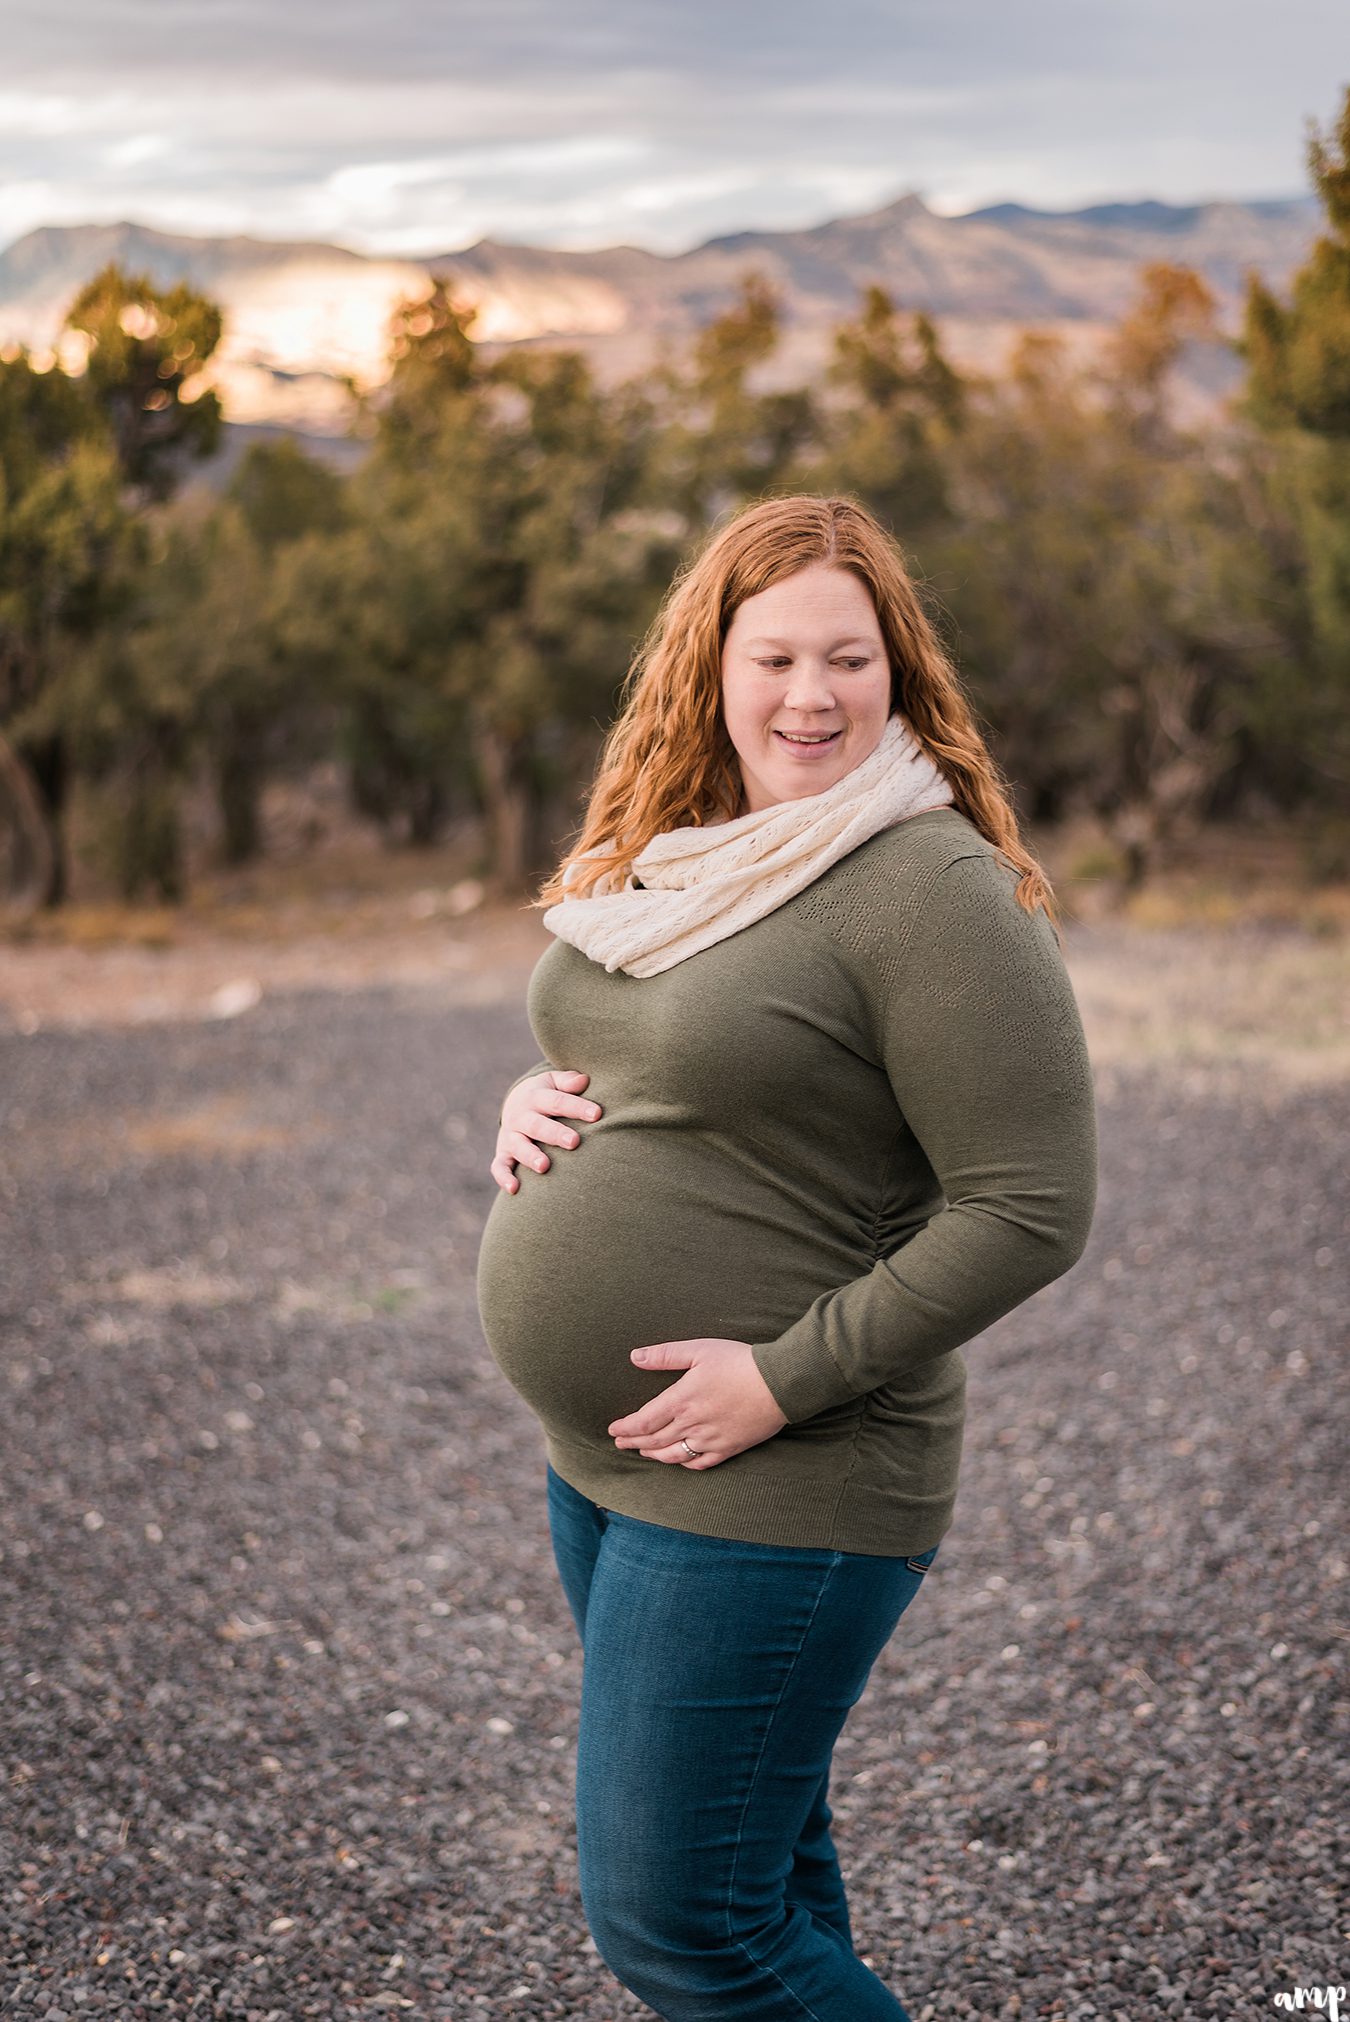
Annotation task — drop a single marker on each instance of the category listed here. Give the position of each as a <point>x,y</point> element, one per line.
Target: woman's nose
<point>810,688</point>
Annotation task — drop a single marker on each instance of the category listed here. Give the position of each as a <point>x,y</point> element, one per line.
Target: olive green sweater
<point>852,1134</point>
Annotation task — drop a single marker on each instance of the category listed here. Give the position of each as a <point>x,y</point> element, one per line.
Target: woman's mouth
<point>808,744</point>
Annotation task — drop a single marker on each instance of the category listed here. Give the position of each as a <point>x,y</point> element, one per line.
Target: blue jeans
<point>716,1677</point>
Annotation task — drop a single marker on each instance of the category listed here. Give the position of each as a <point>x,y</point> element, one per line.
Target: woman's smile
<point>808,743</point>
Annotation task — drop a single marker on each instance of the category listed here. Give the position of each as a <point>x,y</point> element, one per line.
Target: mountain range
<point>302,317</point>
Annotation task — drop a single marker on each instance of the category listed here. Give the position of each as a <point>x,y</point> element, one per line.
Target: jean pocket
<point>921,1561</point>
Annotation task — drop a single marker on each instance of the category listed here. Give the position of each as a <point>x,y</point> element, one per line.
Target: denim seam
<point>764,1967</point>
<point>732,1939</point>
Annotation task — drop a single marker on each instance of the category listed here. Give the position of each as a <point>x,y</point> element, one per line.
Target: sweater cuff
<point>801,1374</point>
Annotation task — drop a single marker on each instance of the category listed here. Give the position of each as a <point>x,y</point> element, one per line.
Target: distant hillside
<point>302,317</point>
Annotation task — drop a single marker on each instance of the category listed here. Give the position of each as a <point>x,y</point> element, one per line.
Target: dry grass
<point>1223,1004</point>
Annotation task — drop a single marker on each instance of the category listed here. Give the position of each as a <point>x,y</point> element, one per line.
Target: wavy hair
<point>667,760</point>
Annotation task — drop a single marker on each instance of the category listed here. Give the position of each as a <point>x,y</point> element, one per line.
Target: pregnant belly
<point>622,1243</point>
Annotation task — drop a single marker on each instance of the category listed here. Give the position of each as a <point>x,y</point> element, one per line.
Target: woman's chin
<point>784,774</point>
<point>790,776</point>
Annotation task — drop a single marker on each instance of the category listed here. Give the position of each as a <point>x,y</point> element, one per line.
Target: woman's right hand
<point>528,1121</point>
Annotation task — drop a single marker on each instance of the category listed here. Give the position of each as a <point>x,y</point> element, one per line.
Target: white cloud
<point>420,128</point>
<point>41,114</point>
<point>137,148</point>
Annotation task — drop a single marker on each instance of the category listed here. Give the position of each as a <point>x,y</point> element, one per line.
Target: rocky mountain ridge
<point>303,318</point>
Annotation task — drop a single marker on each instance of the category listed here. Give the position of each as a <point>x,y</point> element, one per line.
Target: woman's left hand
<point>721,1405</point>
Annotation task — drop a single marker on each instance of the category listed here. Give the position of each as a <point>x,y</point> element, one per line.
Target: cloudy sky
<point>418,126</point>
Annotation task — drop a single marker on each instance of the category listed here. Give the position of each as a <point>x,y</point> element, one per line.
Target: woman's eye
<point>852,665</point>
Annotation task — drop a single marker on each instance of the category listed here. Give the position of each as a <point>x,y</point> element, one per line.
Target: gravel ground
<point>289,1685</point>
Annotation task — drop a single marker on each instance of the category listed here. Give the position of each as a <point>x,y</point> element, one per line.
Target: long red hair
<point>667,761</point>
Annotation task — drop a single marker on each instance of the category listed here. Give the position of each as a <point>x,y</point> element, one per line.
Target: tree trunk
<point>508,803</point>
<point>426,812</point>
<point>148,832</point>
<point>30,849</point>
<point>150,846</point>
<point>48,767</point>
<point>238,797</point>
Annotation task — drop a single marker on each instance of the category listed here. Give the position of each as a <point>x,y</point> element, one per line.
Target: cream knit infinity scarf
<point>692,886</point>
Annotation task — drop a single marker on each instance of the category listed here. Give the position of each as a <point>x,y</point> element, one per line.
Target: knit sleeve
<point>979,1033</point>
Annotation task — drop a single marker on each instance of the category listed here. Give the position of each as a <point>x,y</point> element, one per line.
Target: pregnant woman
<point>819,1085</point>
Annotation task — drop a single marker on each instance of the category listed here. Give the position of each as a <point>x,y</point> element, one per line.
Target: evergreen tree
<point>1297,395</point>
<point>720,438</point>
<point>69,553</point>
<point>145,346</point>
<point>899,405</point>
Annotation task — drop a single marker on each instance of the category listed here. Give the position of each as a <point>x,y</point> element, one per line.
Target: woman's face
<point>805,660</point>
